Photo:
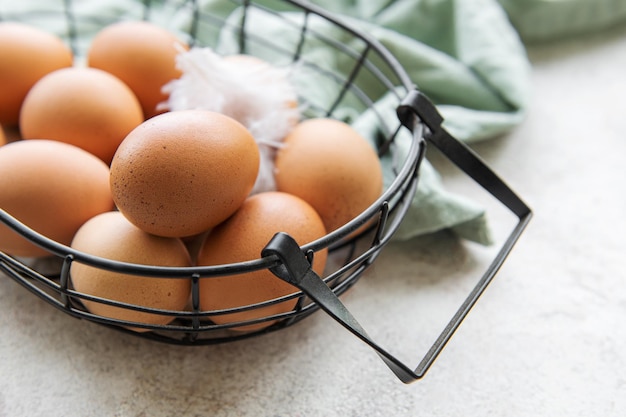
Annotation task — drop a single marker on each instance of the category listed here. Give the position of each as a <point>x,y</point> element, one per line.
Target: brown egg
<point>53,188</point>
<point>141,54</point>
<point>332,167</point>
<point>86,107</point>
<point>241,238</point>
<point>3,138</point>
<point>110,235</point>
<point>180,173</point>
<point>26,54</point>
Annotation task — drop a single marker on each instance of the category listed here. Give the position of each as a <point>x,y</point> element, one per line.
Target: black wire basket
<point>355,246</point>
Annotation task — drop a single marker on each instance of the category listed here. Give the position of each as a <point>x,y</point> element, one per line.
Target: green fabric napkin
<point>469,57</point>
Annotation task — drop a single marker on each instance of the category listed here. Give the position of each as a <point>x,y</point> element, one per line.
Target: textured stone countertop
<point>546,339</point>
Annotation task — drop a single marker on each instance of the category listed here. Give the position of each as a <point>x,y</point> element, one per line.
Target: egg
<point>252,91</point>
<point>26,54</point>
<point>141,54</point>
<point>180,173</point>
<point>241,238</point>
<point>86,107</point>
<point>53,188</point>
<point>110,235</point>
<point>331,166</point>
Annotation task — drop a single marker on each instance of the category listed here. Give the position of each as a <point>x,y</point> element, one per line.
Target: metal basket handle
<point>295,269</point>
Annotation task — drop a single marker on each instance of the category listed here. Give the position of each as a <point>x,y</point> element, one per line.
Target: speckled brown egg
<point>86,107</point>
<point>53,188</point>
<point>241,238</point>
<point>331,166</point>
<point>180,173</point>
<point>110,235</point>
<point>141,54</point>
<point>27,53</point>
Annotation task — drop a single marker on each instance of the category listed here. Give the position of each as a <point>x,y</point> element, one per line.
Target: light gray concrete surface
<point>546,339</point>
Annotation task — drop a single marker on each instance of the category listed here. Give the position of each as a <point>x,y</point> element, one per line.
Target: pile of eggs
<point>98,165</point>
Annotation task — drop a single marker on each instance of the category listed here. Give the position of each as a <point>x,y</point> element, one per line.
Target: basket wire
<point>355,246</point>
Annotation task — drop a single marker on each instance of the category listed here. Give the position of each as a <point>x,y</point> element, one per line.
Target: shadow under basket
<point>366,66</point>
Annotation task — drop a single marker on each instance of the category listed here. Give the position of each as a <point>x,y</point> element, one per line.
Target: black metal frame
<point>284,257</point>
